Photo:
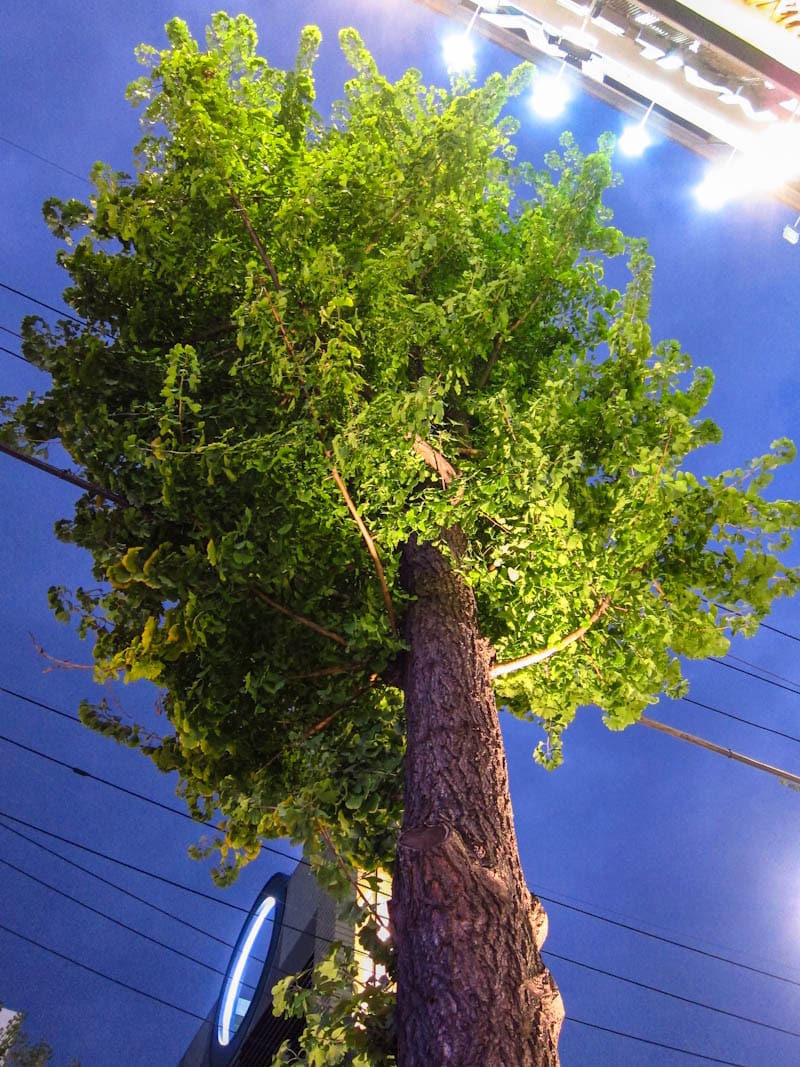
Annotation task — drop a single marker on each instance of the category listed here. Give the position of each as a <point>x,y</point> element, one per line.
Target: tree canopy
<point>305,343</point>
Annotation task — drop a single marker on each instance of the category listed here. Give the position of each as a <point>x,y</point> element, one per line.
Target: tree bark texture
<point>472,988</point>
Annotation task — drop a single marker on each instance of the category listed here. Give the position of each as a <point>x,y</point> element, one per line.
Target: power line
<point>41,303</point>
<point>44,159</point>
<point>109,918</point>
<point>16,355</point>
<point>738,718</point>
<point>657,1044</point>
<point>40,704</point>
<point>113,785</point>
<point>668,940</point>
<point>674,996</point>
<point>7,329</point>
<point>123,863</point>
<point>752,674</point>
<point>764,670</point>
<point>100,974</point>
<point>118,888</point>
<point>105,781</point>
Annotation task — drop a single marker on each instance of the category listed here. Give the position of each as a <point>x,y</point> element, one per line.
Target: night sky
<point>639,828</point>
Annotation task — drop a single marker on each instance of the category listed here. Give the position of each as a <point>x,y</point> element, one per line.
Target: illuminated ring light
<point>230,1029</point>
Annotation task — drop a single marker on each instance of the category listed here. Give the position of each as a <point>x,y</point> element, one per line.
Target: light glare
<point>634,140</point>
<point>550,96</point>
<point>459,55</point>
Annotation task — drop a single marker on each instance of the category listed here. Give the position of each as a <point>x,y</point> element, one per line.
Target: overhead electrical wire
<point>669,941</point>
<point>673,996</point>
<point>116,886</point>
<point>738,718</point>
<point>100,974</point>
<point>104,781</point>
<point>657,1044</point>
<point>122,863</point>
<point>44,159</point>
<point>109,918</point>
<point>16,355</point>
<point>34,300</point>
<point>752,674</point>
<point>764,670</point>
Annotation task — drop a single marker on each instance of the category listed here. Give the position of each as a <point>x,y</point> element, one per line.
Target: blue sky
<point>637,827</point>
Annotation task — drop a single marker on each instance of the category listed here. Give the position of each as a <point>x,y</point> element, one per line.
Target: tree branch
<point>509,667</point>
<point>255,238</point>
<point>370,548</point>
<point>262,596</point>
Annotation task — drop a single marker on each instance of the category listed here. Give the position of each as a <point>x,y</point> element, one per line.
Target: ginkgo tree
<point>377,452</point>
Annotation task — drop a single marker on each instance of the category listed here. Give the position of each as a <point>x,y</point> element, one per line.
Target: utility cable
<point>123,863</point>
<point>657,1044</point>
<point>44,159</point>
<point>738,718</point>
<point>178,885</point>
<point>752,674</point>
<point>40,704</point>
<point>118,888</point>
<point>14,333</point>
<point>100,974</point>
<point>667,993</point>
<point>668,940</point>
<point>764,670</point>
<point>109,918</point>
<point>104,781</point>
<point>113,785</point>
<point>16,355</point>
<point>41,303</point>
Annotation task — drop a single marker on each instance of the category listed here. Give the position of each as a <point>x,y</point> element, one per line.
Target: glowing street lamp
<point>635,139</point>
<point>459,53</point>
<point>550,94</point>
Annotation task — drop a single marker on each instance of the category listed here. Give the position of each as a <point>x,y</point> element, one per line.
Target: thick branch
<point>262,596</point>
<point>370,548</point>
<point>701,742</point>
<point>255,238</point>
<point>499,669</point>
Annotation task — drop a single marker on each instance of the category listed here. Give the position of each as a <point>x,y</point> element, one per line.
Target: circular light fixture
<point>550,95</point>
<point>459,55</point>
<point>248,971</point>
<point>634,140</point>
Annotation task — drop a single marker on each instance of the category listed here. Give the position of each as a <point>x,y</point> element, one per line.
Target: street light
<point>459,53</point>
<point>635,139</point>
<point>550,94</point>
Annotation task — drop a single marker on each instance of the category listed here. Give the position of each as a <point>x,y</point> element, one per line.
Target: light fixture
<point>792,233</point>
<point>459,53</point>
<point>249,974</point>
<point>719,186</point>
<point>550,94</point>
<point>635,139</point>
<point>673,60</point>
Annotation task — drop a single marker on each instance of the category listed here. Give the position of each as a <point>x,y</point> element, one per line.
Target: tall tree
<point>382,453</point>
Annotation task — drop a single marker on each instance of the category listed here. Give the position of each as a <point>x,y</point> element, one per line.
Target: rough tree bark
<point>472,988</point>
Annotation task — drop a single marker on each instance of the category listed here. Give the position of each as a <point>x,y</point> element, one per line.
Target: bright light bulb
<point>459,55</point>
<point>634,140</point>
<point>715,190</point>
<point>550,96</point>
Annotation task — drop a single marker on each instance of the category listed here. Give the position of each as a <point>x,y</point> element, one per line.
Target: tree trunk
<point>472,988</point>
